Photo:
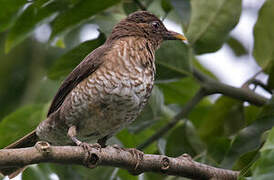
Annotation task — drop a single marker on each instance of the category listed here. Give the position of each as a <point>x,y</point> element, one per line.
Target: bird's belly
<point>103,107</point>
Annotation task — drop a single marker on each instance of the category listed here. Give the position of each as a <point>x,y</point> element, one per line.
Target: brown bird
<point>107,90</point>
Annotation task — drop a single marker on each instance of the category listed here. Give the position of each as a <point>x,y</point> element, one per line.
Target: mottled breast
<point>114,95</point>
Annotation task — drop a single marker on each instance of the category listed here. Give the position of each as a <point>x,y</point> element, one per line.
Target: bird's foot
<point>91,158</point>
<point>88,147</point>
<point>137,154</point>
<point>116,146</point>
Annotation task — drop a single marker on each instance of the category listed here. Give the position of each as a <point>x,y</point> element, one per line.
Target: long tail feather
<point>26,141</point>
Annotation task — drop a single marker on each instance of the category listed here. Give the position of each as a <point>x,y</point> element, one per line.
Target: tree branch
<point>257,82</point>
<point>212,87</point>
<point>112,156</point>
<point>250,80</point>
<point>182,114</point>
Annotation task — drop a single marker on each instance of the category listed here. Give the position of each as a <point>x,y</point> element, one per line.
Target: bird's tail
<point>26,141</point>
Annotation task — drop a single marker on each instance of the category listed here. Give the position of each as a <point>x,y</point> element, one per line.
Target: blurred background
<point>41,41</point>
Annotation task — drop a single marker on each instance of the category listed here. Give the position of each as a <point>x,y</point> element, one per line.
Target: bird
<point>107,90</point>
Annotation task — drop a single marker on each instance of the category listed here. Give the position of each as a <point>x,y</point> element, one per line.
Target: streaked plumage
<point>111,97</point>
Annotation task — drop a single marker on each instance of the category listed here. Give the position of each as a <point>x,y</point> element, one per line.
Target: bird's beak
<point>171,35</point>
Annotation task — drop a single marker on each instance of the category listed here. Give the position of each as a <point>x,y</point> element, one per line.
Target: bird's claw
<point>116,146</point>
<point>137,154</point>
<point>90,156</point>
<point>88,147</point>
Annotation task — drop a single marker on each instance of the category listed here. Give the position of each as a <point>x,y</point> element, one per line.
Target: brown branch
<point>182,114</point>
<point>257,82</point>
<point>250,80</point>
<point>112,156</point>
<point>212,87</point>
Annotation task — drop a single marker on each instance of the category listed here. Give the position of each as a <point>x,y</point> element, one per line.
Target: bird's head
<point>147,25</point>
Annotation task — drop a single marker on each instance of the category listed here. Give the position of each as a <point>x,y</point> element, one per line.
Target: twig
<point>183,113</point>
<point>182,166</point>
<point>212,87</point>
<point>141,6</point>
<point>258,82</point>
<point>250,80</point>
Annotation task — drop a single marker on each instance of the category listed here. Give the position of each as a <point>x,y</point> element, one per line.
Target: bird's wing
<point>83,70</point>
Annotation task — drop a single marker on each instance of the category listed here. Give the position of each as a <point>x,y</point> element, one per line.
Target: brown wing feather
<point>83,70</point>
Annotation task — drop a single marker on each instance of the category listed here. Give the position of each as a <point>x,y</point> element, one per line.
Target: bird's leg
<point>103,141</point>
<point>72,132</point>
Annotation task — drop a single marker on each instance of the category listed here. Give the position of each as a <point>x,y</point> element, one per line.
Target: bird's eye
<point>155,24</point>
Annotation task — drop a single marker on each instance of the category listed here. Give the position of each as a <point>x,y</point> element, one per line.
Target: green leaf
<point>264,167</point>
<point>225,118</point>
<point>172,60</point>
<point>67,62</point>
<point>179,92</point>
<point>270,80</point>
<point>200,112</point>
<point>269,144</point>
<point>263,35</point>
<point>60,43</point>
<point>125,175</point>
<point>178,143</point>
<point>68,172</point>
<point>8,12</point>
<point>130,140</point>
<point>249,138</point>
<point>155,8</point>
<point>183,139</point>
<point>14,69</point>
<point>19,123</point>
<point>217,147</point>
<point>106,21</point>
<point>245,161</point>
<point>80,12</point>
<point>40,3</point>
<point>236,46</point>
<point>41,172</point>
<point>74,172</point>
<point>142,128</point>
<point>166,5</point>
<point>210,23</point>
<point>129,7</point>
<point>31,18</point>
<point>251,113</point>
<point>157,176</point>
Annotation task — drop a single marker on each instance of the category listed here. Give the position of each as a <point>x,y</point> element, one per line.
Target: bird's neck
<point>135,50</point>
<point>131,57</point>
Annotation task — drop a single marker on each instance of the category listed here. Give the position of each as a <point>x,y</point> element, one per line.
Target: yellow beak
<point>171,35</point>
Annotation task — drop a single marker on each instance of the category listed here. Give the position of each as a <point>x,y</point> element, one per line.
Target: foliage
<point>226,133</point>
